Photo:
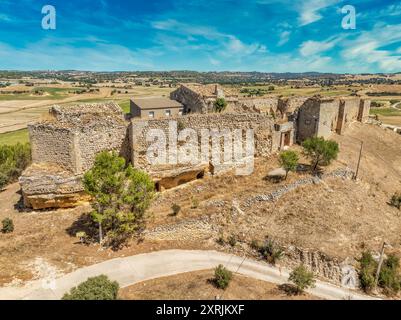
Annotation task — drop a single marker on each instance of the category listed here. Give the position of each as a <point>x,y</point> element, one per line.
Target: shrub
<point>222,277</point>
<point>13,160</point>
<point>271,251</point>
<point>389,278</point>
<point>232,240</point>
<point>289,161</point>
<point>220,240</point>
<point>180,125</point>
<point>194,203</point>
<point>395,200</point>
<point>302,278</point>
<point>96,288</point>
<point>220,105</point>
<point>368,267</point>
<point>176,209</point>
<point>8,225</point>
<point>320,151</point>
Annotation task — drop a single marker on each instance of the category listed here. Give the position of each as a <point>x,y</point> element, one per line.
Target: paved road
<point>137,268</point>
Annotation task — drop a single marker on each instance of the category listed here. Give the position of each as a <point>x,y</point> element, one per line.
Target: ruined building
<point>65,145</point>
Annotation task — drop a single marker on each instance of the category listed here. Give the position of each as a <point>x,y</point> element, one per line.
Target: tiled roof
<point>208,90</point>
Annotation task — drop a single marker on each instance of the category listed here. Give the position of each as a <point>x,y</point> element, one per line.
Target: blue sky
<point>203,35</point>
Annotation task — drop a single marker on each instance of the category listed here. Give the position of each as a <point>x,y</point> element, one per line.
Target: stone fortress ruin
<point>65,144</point>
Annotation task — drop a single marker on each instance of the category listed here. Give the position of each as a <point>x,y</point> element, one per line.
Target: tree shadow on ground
<point>289,289</point>
<point>84,224</point>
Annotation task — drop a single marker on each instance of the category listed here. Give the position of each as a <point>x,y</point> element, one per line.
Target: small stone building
<point>323,116</point>
<point>150,108</point>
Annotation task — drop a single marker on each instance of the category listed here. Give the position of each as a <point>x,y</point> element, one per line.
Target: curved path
<point>137,268</point>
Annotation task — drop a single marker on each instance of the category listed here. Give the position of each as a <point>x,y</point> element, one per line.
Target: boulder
<point>47,185</point>
<point>277,173</point>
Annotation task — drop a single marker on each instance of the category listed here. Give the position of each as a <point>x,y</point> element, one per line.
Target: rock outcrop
<point>50,186</point>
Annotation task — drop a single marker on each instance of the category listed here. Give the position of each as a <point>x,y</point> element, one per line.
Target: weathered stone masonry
<point>65,145</point>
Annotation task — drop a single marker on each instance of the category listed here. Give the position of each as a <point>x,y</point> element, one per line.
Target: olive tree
<point>320,151</point>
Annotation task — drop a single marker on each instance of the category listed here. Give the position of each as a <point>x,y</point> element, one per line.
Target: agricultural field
<point>17,110</point>
<point>14,137</point>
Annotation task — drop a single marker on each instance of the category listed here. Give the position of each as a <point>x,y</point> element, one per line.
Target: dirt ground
<point>198,286</point>
<point>339,217</point>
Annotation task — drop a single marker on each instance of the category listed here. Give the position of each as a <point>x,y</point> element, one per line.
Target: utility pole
<point>379,266</point>
<point>359,161</point>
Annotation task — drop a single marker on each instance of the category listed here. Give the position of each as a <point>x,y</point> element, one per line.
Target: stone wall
<point>193,102</point>
<point>323,116</point>
<point>52,144</point>
<point>266,138</point>
<point>74,135</point>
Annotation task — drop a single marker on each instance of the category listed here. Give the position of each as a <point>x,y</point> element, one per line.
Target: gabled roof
<point>156,103</point>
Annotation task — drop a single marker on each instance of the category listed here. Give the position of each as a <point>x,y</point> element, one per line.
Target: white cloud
<point>310,47</point>
<point>284,38</point>
<point>309,11</point>
<point>369,46</point>
<point>50,54</point>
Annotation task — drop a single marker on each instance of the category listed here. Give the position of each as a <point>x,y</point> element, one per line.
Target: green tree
<point>289,161</point>
<point>302,278</point>
<point>120,196</point>
<point>222,277</point>
<point>320,151</point>
<point>220,105</point>
<point>95,288</point>
<point>13,160</point>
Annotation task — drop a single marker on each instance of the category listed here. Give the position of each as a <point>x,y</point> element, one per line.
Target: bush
<point>289,161</point>
<point>96,288</point>
<point>368,267</point>
<point>232,240</point>
<point>13,160</point>
<point>222,277</point>
<point>8,225</point>
<point>395,200</point>
<point>302,278</point>
<point>271,251</point>
<point>194,203</point>
<point>176,209</point>
<point>389,278</point>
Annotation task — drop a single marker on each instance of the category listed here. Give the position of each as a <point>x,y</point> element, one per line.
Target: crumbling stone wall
<point>52,144</point>
<point>74,135</point>
<point>323,116</point>
<point>193,102</point>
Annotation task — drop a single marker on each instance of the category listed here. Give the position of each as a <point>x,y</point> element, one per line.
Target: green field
<point>387,112</point>
<point>50,93</point>
<point>14,137</point>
